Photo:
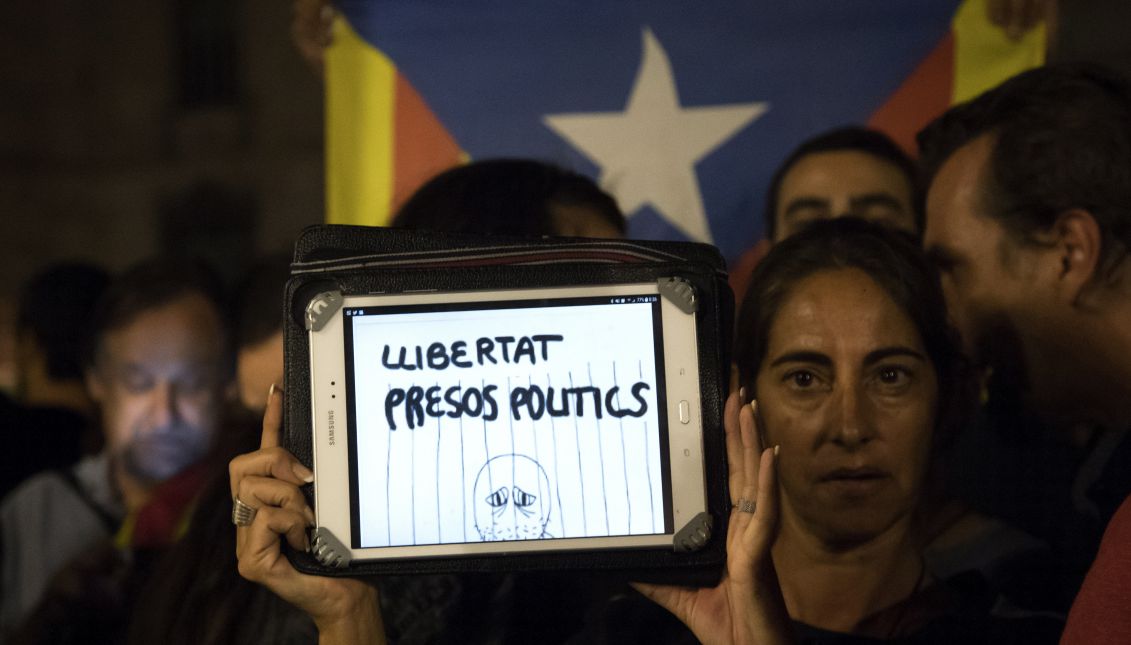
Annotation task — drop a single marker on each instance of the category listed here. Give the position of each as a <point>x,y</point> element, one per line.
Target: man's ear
<point>1078,247</point>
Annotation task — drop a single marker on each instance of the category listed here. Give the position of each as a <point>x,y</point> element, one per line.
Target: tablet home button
<point>684,412</point>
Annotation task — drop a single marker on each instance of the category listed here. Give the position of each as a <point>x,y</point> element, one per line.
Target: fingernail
<point>309,514</point>
<point>270,391</point>
<point>777,449</point>
<point>754,408</point>
<point>742,394</point>
<point>302,472</point>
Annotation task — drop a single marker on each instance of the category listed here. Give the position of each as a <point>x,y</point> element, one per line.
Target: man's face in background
<point>838,183</point>
<point>1000,294</point>
<point>160,382</point>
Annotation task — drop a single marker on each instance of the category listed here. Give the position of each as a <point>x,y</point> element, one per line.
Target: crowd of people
<point>906,323</point>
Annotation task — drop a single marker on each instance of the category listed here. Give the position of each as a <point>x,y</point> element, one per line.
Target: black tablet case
<point>359,260</point>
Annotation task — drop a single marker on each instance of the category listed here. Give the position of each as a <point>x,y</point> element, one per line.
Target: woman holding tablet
<point>843,341</point>
<point>346,611</point>
<point>844,345</point>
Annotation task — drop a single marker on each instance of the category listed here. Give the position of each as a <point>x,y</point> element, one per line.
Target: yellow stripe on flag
<point>984,56</point>
<point>360,87</point>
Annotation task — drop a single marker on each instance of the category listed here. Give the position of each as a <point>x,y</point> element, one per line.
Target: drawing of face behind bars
<point>512,499</point>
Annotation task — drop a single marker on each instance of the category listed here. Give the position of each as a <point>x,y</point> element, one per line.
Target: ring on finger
<point>242,514</point>
<point>745,505</point>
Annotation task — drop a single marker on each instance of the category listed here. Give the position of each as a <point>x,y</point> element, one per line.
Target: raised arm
<point>270,508</point>
<point>747,605</point>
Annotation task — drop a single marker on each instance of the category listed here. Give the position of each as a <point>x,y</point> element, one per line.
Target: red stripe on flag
<point>923,96</point>
<point>422,146</point>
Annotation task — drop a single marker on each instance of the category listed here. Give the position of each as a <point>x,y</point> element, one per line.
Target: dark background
<point>128,127</point>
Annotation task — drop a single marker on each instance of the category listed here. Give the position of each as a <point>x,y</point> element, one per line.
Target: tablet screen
<point>507,420</point>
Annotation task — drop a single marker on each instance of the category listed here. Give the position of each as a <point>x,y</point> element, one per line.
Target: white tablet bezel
<point>330,407</point>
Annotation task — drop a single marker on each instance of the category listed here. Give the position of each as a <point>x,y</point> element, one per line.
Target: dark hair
<point>503,196</point>
<point>150,285</point>
<point>258,300</point>
<point>55,307</point>
<point>1061,140</point>
<point>894,261</point>
<point>848,138</point>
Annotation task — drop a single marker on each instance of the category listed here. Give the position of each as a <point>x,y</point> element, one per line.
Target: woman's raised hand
<point>746,606</point>
<point>345,610</point>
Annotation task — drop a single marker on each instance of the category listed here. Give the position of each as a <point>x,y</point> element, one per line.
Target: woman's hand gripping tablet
<point>345,610</point>
<point>747,605</point>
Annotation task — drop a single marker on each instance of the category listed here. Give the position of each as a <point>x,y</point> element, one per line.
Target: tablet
<point>530,420</point>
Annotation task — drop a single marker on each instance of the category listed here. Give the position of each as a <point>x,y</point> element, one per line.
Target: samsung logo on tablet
<point>330,425</point>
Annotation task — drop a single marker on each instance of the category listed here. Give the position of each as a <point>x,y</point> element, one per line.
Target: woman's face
<point>847,390</point>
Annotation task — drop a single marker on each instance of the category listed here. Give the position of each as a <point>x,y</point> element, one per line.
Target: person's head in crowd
<point>849,171</point>
<point>843,340</point>
<point>158,368</point>
<point>52,330</point>
<point>1029,223</point>
<point>513,197</point>
<point>259,330</point>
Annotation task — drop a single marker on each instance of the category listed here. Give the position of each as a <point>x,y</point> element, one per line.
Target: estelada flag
<point>680,109</point>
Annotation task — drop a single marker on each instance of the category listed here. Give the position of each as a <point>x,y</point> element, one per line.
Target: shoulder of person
<point>58,493</point>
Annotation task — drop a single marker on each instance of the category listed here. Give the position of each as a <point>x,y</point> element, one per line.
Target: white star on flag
<point>648,152</point>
